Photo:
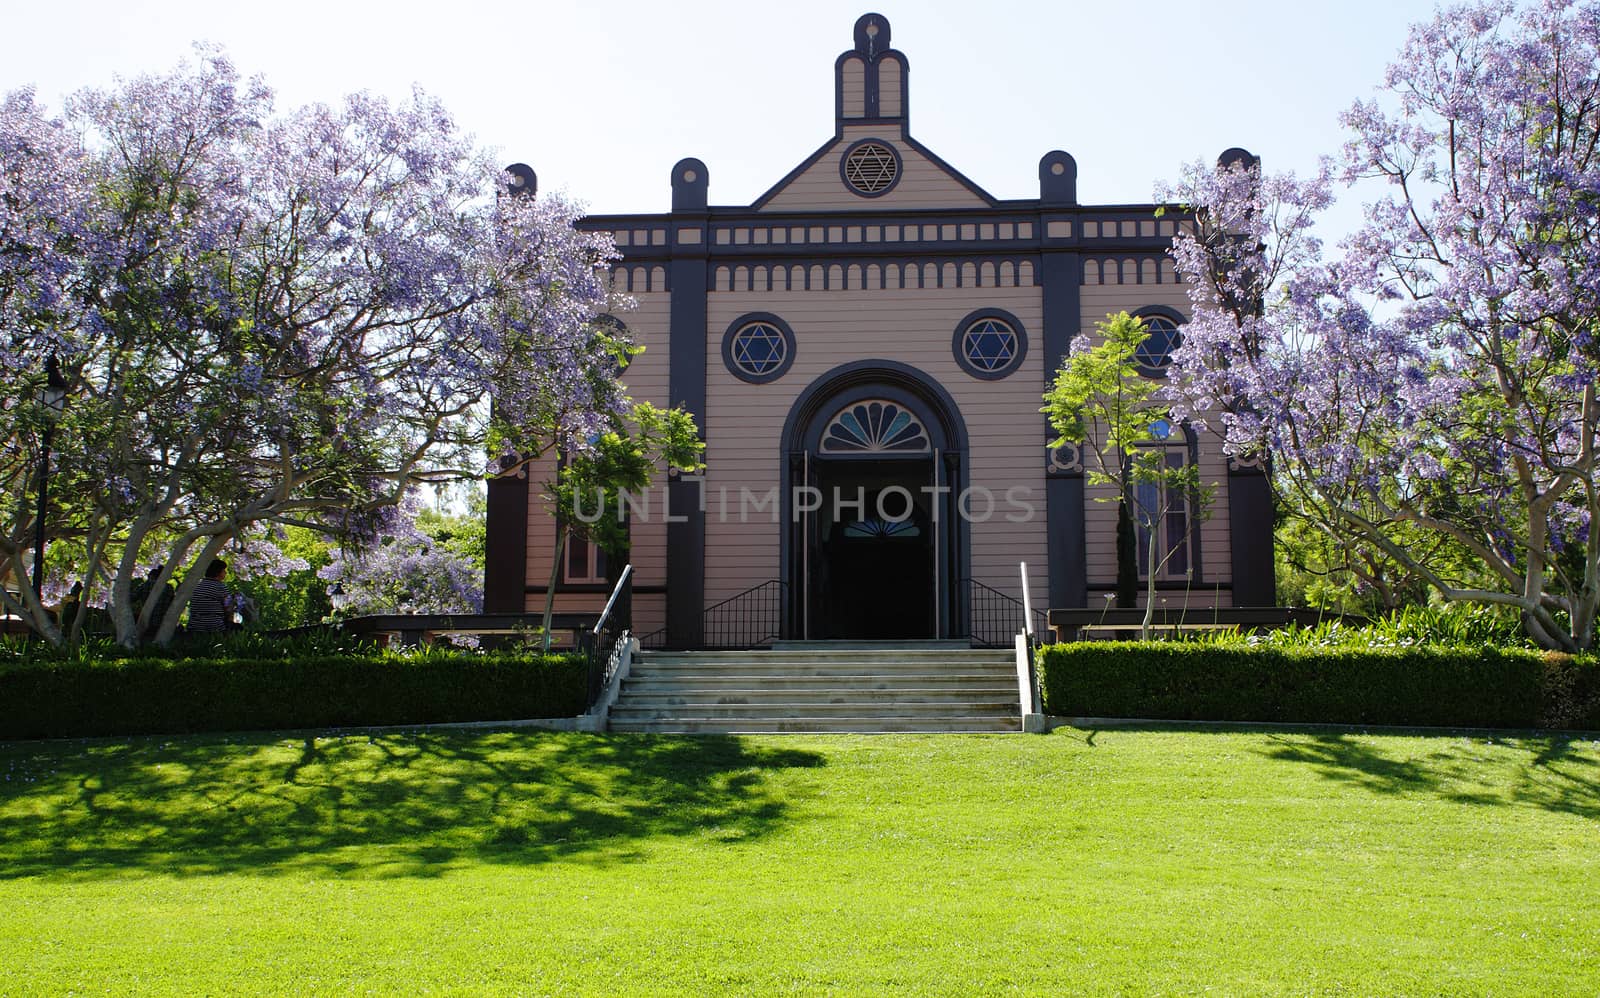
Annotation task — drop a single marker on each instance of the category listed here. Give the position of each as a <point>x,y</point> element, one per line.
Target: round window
<point>990,344</point>
<point>758,348</point>
<point>870,168</point>
<point>1155,353</point>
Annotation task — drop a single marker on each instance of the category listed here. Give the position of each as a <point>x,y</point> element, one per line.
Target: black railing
<point>599,643</point>
<point>996,619</point>
<point>655,640</point>
<point>748,620</point>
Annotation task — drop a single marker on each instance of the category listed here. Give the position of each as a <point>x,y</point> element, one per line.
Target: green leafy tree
<point>588,486</point>
<point>1101,403</point>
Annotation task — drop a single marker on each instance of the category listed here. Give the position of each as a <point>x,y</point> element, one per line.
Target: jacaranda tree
<point>1435,376</point>
<point>271,319</point>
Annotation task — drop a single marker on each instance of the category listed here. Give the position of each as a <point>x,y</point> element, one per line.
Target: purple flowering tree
<point>279,319</point>
<point>44,225</point>
<point>1435,377</point>
<point>403,570</point>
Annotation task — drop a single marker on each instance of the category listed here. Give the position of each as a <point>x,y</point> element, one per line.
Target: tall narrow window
<point>1161,511</point>
<point>585,563</point>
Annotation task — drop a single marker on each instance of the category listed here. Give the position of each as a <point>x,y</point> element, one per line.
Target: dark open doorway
<point>870,430</point>
<point>874,558</point>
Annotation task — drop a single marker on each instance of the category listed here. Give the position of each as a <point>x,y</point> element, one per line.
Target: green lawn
<point>1129,861</point>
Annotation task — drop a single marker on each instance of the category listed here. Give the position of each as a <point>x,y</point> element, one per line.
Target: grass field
<point>1132,861</point>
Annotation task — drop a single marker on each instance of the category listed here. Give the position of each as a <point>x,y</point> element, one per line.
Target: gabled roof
<point>872,162</point>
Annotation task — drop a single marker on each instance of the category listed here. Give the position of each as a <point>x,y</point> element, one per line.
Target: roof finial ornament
<point>872,35</point>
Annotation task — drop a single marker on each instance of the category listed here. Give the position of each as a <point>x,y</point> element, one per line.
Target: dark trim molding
<point>836,382</point>
<point>795,173</point>
<point>505,570</point>
<point>1065,541</point>
<point>954,174</point>
<point>1251,521</point>
<point>1061,278</point>
<point>686,386</point>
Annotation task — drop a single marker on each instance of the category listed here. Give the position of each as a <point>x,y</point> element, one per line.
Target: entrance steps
<point>821,687</point>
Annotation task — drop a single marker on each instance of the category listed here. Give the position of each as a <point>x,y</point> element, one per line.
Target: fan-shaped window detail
<point>870,168</point>
<point>875,427</point>
<point>758,347</point>
<point>876,527</point>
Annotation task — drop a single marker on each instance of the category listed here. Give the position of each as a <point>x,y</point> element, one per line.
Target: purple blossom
<point>403,570</point>
<point>277,317</point>
<point>1437,372</point>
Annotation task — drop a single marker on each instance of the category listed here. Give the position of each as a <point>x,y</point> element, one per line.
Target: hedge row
<point>176,696</point>
<point>1482,687</point>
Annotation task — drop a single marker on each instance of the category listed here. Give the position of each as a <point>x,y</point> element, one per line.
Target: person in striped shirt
<point>209,612</point>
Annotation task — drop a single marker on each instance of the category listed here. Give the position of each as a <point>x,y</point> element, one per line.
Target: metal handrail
<point>594,646</point>
<point>653,640</point>
<point>1027,602</point>
<point>760,616</point>
<point>616,591</point>
<point>995,628</point>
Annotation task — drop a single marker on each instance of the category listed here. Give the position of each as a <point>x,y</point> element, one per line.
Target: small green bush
<point>1423,686</point>
<point>177,695</point>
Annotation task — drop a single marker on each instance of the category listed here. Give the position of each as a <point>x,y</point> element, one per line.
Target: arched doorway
<point>872,548</point>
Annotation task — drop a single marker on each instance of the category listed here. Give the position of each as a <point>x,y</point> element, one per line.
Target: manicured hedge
<point>174,696</point>
<point>1480,687</point>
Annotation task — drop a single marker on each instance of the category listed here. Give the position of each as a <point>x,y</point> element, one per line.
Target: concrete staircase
<point>821,686</point>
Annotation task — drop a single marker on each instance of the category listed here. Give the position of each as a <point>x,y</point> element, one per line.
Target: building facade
<point>865,348</point>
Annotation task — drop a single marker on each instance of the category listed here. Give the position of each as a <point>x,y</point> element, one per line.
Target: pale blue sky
<point>602,99</point>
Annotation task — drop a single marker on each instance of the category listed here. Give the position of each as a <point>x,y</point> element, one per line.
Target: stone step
<point>886,669</point>
<point>902,708</point>
<point>881,724</point>
<point>856,655</point>
<point>832,686</point>
<point>859,685</point>
<point>821,692</point>
<point>911,644</point>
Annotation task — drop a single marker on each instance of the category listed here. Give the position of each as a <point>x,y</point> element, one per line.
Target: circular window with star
<point>990,343</point>
<point>758,347</point>
<point>870,168</point>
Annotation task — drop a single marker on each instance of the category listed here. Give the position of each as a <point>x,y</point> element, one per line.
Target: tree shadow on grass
<point>1550,772</point>
<point>411,804</point>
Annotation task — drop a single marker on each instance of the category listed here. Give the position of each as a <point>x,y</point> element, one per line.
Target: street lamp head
<point>54,393</point>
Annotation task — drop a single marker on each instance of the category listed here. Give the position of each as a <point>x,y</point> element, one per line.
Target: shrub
<point>176,695</point>
<point>1461,687</point>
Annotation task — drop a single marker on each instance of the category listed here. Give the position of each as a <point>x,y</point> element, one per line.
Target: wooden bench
<point>1071,624</point>
<point>423,628</point>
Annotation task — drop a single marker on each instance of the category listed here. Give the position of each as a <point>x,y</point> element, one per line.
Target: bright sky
<point>602,98</point>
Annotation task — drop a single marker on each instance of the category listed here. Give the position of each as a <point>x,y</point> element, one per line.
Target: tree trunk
<point>1150,589</point>
<point>550,590</point>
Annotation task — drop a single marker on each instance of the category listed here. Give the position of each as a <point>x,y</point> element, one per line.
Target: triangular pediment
<point>872,168</point>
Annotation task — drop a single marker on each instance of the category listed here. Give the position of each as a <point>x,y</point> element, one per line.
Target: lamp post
<point>53,397</point>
